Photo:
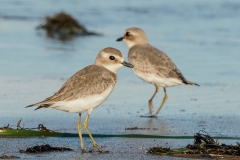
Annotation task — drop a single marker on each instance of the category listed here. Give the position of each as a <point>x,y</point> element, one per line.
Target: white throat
<point>113,67</point>
<point>129,43</point>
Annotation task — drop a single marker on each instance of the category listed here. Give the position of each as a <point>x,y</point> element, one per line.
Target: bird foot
<point>98,148</point>
<point>148,116</point>
<point>84,151</point>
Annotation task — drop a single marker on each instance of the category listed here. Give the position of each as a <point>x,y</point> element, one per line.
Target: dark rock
<point>63,25</point>
<point>44,148</point>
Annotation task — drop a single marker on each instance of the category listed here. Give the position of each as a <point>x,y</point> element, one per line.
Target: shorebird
<point>87,89</point>
<point>151,65</point>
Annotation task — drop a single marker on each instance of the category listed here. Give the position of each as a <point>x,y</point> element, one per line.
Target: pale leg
<point>85,124</point>
<point>79,127</point>
<point>163,101</point>
<point>150,105</point>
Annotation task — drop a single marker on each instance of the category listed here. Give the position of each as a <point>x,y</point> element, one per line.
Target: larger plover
<point>87,89</point>
<point>151,64</point>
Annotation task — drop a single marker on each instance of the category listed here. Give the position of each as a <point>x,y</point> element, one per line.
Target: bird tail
<point>192,83</point>
<point>40,106</point>
<point>30,105</point>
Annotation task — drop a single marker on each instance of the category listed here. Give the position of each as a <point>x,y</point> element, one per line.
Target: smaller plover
<point>87,89</point>
<point>151,64</point>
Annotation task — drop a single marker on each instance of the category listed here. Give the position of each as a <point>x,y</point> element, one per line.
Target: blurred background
<point>201,37</point>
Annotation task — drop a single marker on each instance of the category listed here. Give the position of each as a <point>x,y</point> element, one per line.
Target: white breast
<point>159,81</point>
<point>83,104</point>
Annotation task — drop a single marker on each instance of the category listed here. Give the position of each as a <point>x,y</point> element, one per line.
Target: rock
<point>63,24</point>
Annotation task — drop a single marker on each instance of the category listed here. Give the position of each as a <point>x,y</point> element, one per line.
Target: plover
<point>87,89</point>
<point>151,65</point>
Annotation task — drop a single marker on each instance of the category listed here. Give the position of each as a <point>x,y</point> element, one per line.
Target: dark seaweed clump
<point>40,127</point>
<point>44,148</point>
<point>204,144</point>
<point>137,128</point>
<point>159,150</point>
<point>4,156</point>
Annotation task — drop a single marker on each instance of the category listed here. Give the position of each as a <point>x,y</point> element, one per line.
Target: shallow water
<point>201,37</point>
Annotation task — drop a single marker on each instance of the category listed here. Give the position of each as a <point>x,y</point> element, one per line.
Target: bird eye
<point>128,34</point>
<point>111,57</point>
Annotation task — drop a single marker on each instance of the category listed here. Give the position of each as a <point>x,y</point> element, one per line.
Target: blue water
<point>201,37</point>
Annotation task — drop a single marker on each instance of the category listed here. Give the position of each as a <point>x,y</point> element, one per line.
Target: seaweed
<point>137,128</point>
<point>44,148</point>
<point>4,156</point>
<point>203,146</point>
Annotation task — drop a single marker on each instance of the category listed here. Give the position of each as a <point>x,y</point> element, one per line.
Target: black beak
<point>120,39</point>
<point>127,64</point>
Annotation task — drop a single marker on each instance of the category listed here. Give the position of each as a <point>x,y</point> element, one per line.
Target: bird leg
<point>163,101</point>
<point>85,124</point>
<point>79,127</point>
<point>150,105</point>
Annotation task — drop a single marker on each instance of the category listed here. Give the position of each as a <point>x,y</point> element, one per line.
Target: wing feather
<point>88,81</point>
<point>148,59</point>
